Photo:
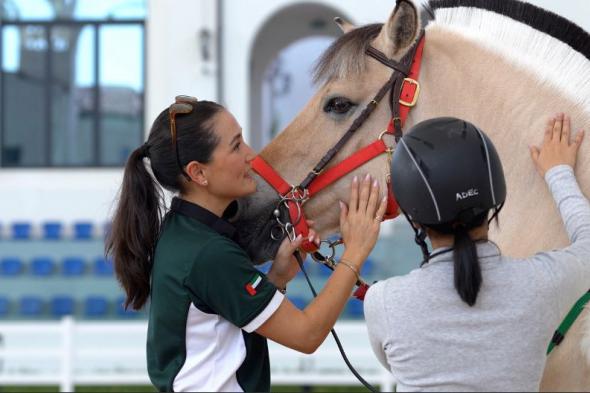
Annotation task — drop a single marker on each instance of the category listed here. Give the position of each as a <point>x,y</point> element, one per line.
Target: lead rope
<point>333,331</point>
<point>287,229</point>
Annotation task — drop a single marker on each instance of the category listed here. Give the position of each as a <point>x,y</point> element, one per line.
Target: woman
<point>210,309</point>
<point>471,319</point>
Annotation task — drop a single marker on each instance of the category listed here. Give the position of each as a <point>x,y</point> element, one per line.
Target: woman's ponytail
<point>467,271</point>
<point>135,229</point>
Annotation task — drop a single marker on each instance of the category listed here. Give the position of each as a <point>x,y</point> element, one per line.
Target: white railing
<point>70,353</point>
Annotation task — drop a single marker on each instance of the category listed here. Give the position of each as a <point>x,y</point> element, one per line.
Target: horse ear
<point>345,26</point>
<point>401,30</point>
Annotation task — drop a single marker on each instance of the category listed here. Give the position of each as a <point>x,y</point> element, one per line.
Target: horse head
<point>348,81</point>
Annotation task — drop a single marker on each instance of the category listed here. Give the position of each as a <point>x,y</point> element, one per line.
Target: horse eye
<point>339,105</point>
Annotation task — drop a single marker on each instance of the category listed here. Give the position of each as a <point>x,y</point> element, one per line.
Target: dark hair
<point>139,214</point>
<point>467,271</point>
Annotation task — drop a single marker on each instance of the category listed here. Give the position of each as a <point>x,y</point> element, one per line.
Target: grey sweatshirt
<point>431,340</point>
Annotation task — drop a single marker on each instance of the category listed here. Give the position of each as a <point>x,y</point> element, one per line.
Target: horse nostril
<point>232,213</point>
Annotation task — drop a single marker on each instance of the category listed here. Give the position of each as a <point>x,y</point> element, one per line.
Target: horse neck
<point>511,104</point>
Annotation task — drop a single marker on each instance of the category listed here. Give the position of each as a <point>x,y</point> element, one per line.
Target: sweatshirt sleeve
<point>569,267</point>
<point>376,323</point>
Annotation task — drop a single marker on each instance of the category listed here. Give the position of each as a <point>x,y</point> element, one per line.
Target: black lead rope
<point>338,343</point>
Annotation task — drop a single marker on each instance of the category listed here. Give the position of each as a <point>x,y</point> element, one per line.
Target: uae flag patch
<point>253,284</point>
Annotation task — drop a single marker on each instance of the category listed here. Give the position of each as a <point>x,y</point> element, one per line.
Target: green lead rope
<point>567,323</point>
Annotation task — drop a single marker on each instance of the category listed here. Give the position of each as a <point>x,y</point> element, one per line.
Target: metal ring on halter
<point>332,246</point>
<point>315,257</point>
<point>285,203</point>
<point>297,190</point>
<point>290,231</point>
<point>390,149</point>
<point>273,234</point>
<point>386,132</point>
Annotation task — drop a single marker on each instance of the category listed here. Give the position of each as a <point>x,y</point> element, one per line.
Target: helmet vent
<point>485,145</point>
<point>424,178</point>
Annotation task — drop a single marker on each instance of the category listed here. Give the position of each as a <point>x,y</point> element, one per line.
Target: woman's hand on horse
<point>556,148</point>
<point>361,219</point>
<point>285,266</point>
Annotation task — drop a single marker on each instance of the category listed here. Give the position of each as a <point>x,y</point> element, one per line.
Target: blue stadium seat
<point>42,266</point>
<point>121,312</point>
<point>354,309</point>
<point>52,230</point>
<point>368,267</point>
<point>4,306</point>
<point>62,305</point>
<point>265,267</point>
<point>83,230</point>
<point>96,306</point>
<point>323,271</point>
<point>309,265</point>
<point>73,266</point>
<point>108,227</point>
<point>103,267</point>
<point>298,302</point>
<point>11,266</point>
<point>31,306</point>
<point>21,230</point>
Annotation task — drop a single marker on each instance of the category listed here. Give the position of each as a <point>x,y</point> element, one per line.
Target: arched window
<point>282,57</point>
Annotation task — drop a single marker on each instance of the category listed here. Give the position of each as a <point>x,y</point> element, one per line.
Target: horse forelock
<point>563,65</point>
<point>346,55</point>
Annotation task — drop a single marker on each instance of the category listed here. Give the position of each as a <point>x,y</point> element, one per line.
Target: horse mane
<point>539,19</point>
<point>556,50</point>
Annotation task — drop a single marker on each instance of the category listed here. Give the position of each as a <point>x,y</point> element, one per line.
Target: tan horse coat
<point>481,78</point>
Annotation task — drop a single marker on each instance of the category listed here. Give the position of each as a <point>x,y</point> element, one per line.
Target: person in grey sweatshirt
<point>470,318</point>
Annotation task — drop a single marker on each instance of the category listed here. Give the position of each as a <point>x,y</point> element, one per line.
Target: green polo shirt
<point>207,299</point>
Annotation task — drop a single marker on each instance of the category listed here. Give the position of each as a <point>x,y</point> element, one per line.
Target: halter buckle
<point>412,103</point>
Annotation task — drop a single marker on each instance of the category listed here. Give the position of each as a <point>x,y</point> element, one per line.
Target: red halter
<point>295,196</point>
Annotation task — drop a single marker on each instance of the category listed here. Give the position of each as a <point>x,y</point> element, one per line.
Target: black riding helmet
<point>446,170</point>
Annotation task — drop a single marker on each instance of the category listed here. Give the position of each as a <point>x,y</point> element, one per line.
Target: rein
<point>404,91</point>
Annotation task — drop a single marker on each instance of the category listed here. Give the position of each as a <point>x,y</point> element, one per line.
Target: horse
<point>501,64</point>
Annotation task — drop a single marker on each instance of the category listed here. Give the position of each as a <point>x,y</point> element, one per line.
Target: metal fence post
<point>67,355</point>
<point>387,381</point>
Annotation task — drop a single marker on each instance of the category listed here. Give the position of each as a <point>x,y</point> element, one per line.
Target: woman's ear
<point>196,172</point>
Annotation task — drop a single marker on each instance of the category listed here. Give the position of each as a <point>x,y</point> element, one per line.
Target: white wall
<point>174,64</point>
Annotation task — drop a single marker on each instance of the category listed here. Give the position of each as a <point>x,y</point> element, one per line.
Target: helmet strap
<point>497,210</point>
<point>420,239</point>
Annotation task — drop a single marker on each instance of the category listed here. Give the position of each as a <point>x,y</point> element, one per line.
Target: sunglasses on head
<point>183,105</point>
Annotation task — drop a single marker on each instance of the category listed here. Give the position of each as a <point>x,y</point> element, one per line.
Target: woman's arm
<point>568,268</point>
<point>304,330</point>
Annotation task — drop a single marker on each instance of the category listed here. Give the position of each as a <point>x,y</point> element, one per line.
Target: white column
<point>387,381</point>
<point>175,63</point>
